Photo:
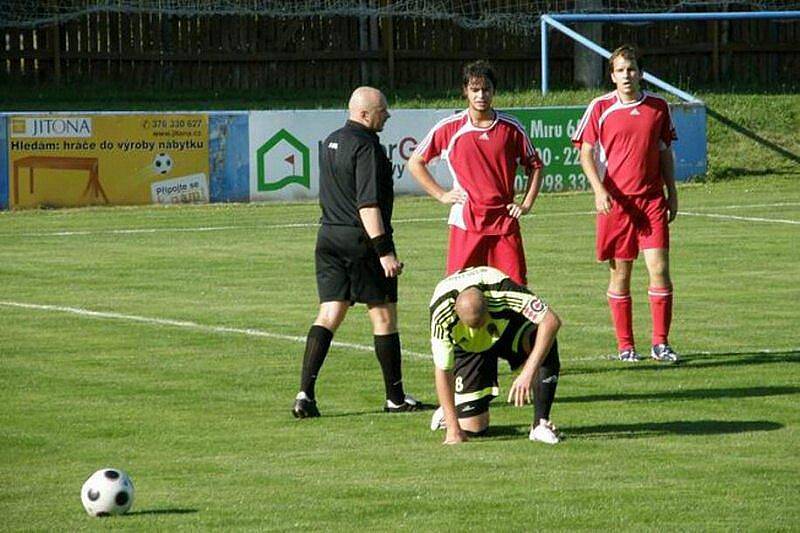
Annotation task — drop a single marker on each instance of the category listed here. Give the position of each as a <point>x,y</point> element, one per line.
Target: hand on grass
<point>455,436</point>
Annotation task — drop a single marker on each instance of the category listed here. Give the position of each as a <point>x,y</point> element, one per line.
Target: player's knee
<point>475,425</point>
<point>384,320</point>
<point>384,326</point>
<point>327,323</point>
<point>621,277</point>
<point>329,318</point>
<point>659,275</point>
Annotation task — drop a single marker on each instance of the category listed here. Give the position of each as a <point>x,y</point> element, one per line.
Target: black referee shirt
<point>354,172</point>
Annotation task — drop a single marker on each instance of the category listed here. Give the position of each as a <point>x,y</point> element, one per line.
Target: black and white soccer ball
<point>162,163</point>
<point>107,492</point>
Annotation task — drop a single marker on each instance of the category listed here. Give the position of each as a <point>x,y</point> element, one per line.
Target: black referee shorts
<point>348,269</point>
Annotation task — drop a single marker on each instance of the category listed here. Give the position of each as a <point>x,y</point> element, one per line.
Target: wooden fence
<point>258,52</point>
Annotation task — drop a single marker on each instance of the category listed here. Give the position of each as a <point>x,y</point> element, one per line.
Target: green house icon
<point>282,160</point>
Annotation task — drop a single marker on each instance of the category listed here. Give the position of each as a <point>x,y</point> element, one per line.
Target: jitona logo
<point>51,127</point>
<point>282,160</point>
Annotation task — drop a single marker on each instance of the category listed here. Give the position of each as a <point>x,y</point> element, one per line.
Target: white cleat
<point>664,353</point>
<point>545,432</point>
<point>437,420</point>
<point>629,356</point>
<point>409,404</point>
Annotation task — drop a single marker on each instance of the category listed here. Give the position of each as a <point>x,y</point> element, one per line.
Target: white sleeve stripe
<point>423,146</point>
<point>585,119</point>
<point>616,106</point>
<point>654,96</point>
<point>529,151</point>
<point>511,120</point>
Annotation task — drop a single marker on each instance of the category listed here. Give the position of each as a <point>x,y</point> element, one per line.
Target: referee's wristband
<point>383,244</point>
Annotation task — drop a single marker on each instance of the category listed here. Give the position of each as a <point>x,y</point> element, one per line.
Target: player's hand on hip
<point>517,210</point>
<point>453,196</point>
<point>672,206</point>
<point>455,436</point>
<point>520,391</point>
<point>391,266</point>
<point>603,202</point>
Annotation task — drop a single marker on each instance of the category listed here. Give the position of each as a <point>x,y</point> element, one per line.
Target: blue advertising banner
<point>691,148</point>
<point>3,162</point>
<point>229,163</point>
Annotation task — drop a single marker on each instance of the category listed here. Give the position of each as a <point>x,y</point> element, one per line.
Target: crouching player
<point>478,315</point>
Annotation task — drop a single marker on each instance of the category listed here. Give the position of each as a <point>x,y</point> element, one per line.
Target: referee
<point>355,255</point>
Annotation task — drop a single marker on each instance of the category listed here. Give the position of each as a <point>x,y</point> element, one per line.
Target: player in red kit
<point>624,139</point>
<point>483,148</point>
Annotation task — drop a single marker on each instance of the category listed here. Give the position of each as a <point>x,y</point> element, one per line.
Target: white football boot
<point>437,420</point>
<point>545,432</point>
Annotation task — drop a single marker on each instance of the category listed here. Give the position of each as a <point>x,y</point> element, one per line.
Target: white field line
<point>746,219</point>
<point>188,325</point>
<point>250,332</point>
<point>744,206</point>
<point>135,231</point>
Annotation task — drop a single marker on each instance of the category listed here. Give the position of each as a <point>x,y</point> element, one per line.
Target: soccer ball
<point>162,163</point>
<point>107,492</point>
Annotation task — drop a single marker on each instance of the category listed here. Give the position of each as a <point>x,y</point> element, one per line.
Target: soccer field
<point>168,342</point>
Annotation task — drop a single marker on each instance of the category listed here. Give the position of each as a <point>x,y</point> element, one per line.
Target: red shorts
<point>634,223</point>
<point>503,252</point>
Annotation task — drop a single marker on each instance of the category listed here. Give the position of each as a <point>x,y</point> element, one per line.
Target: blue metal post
<point>605,53</point>
<point>651,17</point>
<point>555,21</point>
<point>543,29</point>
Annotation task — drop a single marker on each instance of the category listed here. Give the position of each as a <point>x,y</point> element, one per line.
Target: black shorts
<point>476,373</point>
<point>348,269</point>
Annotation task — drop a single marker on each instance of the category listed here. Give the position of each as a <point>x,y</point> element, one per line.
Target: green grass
<point>200,418</point>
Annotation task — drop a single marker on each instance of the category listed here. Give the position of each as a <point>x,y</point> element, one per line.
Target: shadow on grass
<point>425,407</point>
<point>691,394</point>
<point>691,361</point>
<point>639,430</point>
<point>732,173</point>
<point>653,429</point>
<point>750,134</point>
<point>504,433</point>
<point>162,511</point>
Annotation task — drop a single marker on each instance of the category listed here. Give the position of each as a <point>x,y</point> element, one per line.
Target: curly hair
<point>480,69</point>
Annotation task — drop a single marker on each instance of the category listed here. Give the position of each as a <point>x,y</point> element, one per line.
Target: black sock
<point>544,387</point>
<point>387,349</point>
<point>317,343</point>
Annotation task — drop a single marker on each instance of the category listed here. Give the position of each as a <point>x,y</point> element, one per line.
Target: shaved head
<point>368,107</point>
<point>471,307</point>
<point>365,98</point>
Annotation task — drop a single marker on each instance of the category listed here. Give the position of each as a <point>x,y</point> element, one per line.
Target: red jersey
<point>628,139</point>
<point>483,162</point>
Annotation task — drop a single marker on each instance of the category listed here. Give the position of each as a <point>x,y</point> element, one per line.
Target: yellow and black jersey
<point>505,300</point>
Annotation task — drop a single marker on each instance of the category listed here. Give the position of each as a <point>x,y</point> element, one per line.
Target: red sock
<point>661,311</point>
<point>622,316</point>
